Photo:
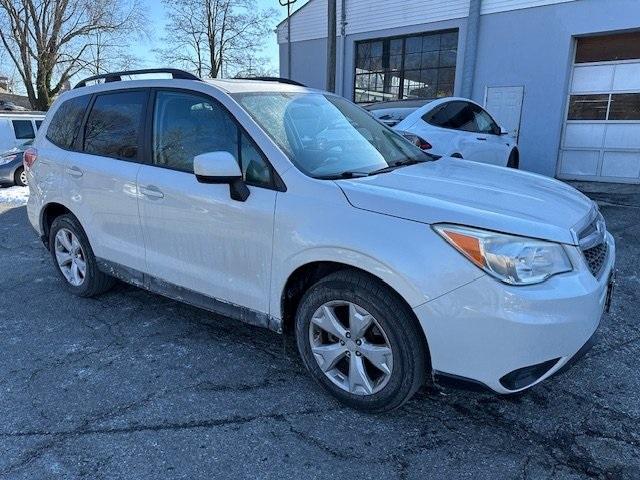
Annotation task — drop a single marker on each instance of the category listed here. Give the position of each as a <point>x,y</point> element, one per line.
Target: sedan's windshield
<point>327,136</point>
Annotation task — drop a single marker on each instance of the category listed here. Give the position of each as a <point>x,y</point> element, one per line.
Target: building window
<point>608,106</point>
<point>608,48</point>
<point>411,67</point>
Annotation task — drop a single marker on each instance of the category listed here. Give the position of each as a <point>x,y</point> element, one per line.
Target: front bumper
<point>485,330</point>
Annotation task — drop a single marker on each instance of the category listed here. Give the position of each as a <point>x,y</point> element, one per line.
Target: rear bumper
<point>510,338</point>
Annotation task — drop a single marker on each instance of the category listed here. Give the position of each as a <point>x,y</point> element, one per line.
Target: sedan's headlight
<point>509,258</point>
<point>7,159</point>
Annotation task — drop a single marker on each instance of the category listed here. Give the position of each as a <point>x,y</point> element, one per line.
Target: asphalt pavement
<point>133,385</point>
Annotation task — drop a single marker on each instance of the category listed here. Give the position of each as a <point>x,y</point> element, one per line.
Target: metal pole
<point>343,32</point>
<point>288,40</point>
<point>471,48</point>
<point>288,4</point>
<point>331,46</point>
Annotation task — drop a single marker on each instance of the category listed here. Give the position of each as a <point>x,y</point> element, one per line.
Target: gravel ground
<point>132,385</point>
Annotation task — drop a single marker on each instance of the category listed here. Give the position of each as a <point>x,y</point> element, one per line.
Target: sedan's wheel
<point>361,342</point>
<point>21,177</point>
<point>74,258</point>
<point>350,347</point>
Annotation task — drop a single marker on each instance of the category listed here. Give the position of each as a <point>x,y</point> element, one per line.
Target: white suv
<point>293,209</point>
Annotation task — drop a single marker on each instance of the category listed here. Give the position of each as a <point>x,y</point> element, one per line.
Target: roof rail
<point>117,76</point>
<point>288,81</point>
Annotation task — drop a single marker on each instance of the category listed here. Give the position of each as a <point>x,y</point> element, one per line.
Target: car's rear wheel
<point>361,342</point>
<point>74,259</point>
<point>20,177</point>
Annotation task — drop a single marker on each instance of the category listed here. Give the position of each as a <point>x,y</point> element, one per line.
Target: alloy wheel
<point>23,177</point>
<point>350,347</point>
<point>70,257</point>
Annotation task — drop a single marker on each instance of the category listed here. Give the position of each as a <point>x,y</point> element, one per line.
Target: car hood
<point>473,194</point>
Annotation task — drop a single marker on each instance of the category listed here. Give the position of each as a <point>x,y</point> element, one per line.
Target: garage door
<point>601,135</point>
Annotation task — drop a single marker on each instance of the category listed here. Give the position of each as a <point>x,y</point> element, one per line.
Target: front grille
<point>596,257</point>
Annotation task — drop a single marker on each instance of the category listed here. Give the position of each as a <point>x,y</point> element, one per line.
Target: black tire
<point>514,160</point>
<point>410,353</point>
<point>95,282</point>
<point>17,177</point>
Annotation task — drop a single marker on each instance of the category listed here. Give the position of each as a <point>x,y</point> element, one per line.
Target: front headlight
<point>509,258</point>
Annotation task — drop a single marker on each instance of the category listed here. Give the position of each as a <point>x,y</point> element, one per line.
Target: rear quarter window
<point>66,122</point>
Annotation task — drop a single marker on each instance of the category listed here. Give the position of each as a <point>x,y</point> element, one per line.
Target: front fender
<point>348,257</point>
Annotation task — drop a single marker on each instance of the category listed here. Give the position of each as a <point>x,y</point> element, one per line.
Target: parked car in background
<point>17,128</point>
<point>6,105</point>
<point>11,167</point>
<point>454,127</point>
<point>392,113</point>
<point>293,209</point>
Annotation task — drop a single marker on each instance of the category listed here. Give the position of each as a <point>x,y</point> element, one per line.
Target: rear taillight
<point>418,141</point>
<point>29,157</point>
<point>423,144</point>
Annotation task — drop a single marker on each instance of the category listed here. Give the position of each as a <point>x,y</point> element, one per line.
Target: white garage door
<point>601,137</point>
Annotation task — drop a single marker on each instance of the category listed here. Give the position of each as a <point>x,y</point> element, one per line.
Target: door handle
<point>74,172</point>
<point>484,139</point>
<point>151,191</point>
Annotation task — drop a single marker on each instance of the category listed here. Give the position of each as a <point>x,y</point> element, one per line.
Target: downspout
<point>471,48</point>
<point>343,53</point>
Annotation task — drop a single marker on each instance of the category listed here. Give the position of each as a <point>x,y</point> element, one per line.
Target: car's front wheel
<point>74,259</point>
<point>361,342</point>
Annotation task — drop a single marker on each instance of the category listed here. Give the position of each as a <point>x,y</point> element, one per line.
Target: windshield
<point>326,136</point>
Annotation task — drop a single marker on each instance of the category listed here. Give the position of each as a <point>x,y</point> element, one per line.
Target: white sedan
<point>453,127</point>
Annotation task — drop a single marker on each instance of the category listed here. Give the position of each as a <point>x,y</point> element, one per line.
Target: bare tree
<point>107,53</point>
<point>215,37</point>
<point>49,41</point>
<point>252,66</point>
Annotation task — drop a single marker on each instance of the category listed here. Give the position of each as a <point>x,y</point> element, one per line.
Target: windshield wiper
<point>338,176</point>
<point>398,164</point>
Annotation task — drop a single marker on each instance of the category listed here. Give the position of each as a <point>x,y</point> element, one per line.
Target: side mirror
<point>503,131</point>
<point>219,168</point>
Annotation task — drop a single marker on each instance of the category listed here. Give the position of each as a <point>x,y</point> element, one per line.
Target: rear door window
<point>115,125</point>
<point>23,129</point>
<point>453,115</point>
<point>66,122</point>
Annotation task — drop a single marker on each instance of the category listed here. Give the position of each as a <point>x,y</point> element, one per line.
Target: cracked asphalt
<point>133,385</point>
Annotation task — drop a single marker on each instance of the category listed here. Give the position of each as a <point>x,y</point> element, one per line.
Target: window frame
<point>142,153</point>
<point>402,70</point>
<point>277,184</point>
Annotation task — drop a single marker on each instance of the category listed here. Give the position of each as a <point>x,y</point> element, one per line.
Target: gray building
<point>563,76</point>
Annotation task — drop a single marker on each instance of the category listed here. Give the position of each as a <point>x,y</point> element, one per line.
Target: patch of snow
<point>14,196</point>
